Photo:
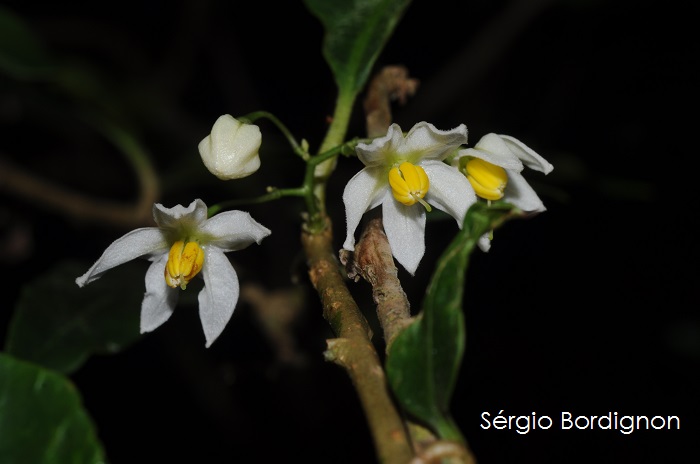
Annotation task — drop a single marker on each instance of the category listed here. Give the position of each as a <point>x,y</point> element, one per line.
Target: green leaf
<point>42,420</point>
<point>355,33</point>
<point>58,325</point>
<point>424,360</point>
<point>22,54</point>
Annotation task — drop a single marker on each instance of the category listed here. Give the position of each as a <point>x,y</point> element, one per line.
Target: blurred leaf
<point>355,33</point>
<point>21,53</point>
<point>424,360</point>
<point>42,420</point>
<point>24,57</point>
<point>58,325</point>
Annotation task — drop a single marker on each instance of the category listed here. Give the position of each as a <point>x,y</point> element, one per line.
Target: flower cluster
<point>406,174</point>
<point>186,244</point>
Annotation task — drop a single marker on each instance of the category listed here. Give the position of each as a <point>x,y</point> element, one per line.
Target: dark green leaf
<point>58,325</point>
<point>42,420</point>
<point>21,52</point>
<point>424,359</point>
<point>355,33</point>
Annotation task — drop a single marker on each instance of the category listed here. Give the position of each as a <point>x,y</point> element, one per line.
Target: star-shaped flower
<point>406,175</point>
<point>185,243</point>
<point>493,168</point>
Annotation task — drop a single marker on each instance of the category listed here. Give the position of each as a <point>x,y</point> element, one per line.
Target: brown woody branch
<point>374,262</point>
<point>390,84</point>
<point>353,349</point>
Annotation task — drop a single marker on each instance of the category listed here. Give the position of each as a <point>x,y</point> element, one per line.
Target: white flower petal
<point>159,300</point>
<point>234,230</point>
<point>376,153</point>
<point>424,141</point>
<point>527,155</point>
<point>139,242</point>
<point>218,298</point>
<point>519,193</point>
<point>492,148</point>
<point>405,231</point>
<point>363,192</point>
<point>177,216</point>
<point>449,190</point>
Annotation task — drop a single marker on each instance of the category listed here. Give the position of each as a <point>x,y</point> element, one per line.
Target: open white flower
<point>406,175</point>
<point>231,150</point>
<point>493,168</point>
<point>185,243</point>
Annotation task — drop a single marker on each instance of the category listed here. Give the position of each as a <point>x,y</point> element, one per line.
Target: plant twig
<point>81,206</point>
<point>444,452</point>
<point>391,83</point>
<point>353,349</point>
<point>278,311</point>
<point>74,204</point>
<point>374,262</point>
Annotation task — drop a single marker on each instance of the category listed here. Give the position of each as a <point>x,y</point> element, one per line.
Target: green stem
<point>132,150</point>
<point>135,154</point>
<point>273,195</point>
<point>339,123</point>
<point>335,151</point>
<point>318,168</point>
<point>315,221</point>
<point>334,137</point>
<point>252,117</point>
<point>305,191</point>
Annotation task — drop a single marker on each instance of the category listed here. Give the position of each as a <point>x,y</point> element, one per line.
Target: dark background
<point>590,307</point>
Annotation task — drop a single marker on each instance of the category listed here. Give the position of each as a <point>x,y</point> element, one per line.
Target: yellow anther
<point>409,184</point>
<point>489,181</point>
<point>184,262</point>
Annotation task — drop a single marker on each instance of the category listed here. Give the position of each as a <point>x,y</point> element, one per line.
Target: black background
<point>590,307</point>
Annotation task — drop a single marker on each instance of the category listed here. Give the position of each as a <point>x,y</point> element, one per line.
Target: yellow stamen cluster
<point>409,184</point>
<point>488,180</point>
<point>184,262</point>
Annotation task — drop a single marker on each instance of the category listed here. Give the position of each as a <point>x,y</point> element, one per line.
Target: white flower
<point>231,150</point>
<point>406,175</point>
<point>493,168</point>
<point>185,243</point>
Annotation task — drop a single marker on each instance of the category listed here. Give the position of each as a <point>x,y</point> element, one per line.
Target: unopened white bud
<point>231,150</point>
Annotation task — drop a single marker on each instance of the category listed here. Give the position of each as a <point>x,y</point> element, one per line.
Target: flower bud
<point>231,150</point>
